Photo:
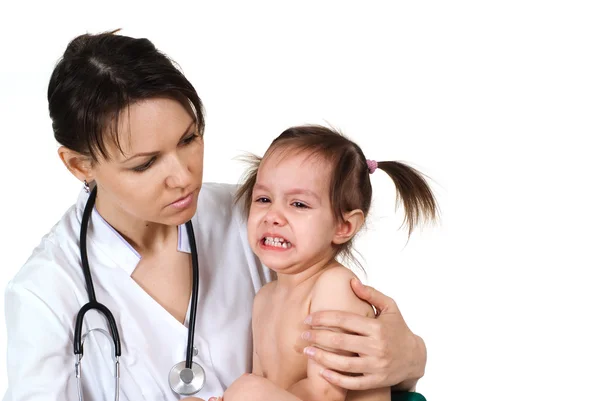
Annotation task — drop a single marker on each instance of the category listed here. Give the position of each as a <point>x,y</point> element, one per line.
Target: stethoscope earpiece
<point>186,381</point>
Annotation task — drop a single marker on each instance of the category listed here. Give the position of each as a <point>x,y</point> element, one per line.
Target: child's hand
<point>192,399</point>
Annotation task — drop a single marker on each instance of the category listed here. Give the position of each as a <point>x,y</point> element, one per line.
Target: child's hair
<point>350,185</point>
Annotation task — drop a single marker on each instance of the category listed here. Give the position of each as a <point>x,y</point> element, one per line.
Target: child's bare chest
<point>279,344</point>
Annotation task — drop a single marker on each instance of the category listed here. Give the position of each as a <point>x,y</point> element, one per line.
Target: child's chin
<point>275,264</point>
<point>278,267</point>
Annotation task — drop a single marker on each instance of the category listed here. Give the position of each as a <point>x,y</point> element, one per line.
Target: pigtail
<point>411,187</point>
<point>244,192</point>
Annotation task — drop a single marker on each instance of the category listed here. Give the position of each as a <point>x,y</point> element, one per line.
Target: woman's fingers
<point>333,361</point>
<point>350,382</point>
<point>381,302</point>
<point>336,340</point>
<point>347,321</point>
<point>386,348</point>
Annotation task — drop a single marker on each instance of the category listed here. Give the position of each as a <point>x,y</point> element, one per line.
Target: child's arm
<point>261,302</point>
<point>332,291</point>
<point>257,388</point>
<point>256,366</point>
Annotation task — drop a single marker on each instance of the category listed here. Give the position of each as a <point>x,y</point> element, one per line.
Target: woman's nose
<point>179,175</point>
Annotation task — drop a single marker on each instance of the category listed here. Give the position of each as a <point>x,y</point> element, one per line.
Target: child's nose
<point>274,217</point>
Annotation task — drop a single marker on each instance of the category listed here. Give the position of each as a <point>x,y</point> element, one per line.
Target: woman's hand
<point>388,353</point>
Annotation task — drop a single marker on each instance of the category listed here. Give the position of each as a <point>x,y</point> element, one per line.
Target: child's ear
<point>346,229</point>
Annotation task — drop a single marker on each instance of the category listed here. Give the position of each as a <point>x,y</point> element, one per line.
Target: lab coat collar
<point>183,243</point>
<point>112,244</point>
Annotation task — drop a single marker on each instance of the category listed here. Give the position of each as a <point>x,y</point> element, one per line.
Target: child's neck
<point>304,274</point>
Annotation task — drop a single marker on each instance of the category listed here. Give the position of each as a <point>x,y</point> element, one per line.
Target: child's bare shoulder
<point>332,291</point>
<point>334,276</point>
<point>262,296</point>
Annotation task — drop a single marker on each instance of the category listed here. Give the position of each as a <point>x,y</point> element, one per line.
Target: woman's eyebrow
<point>157,152</point>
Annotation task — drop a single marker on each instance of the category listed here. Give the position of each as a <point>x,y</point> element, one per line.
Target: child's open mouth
<point>277,242</point>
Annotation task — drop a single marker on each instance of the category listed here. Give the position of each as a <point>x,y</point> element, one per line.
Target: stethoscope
<point>186,377</point>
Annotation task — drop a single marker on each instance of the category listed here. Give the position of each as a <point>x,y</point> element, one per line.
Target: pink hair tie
<point>372,165</point>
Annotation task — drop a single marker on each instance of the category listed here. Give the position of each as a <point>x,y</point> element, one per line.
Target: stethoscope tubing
<point>95,305</point>
<point>92,304</point>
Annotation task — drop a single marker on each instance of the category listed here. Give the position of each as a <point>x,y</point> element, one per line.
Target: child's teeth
<point>277,242</point>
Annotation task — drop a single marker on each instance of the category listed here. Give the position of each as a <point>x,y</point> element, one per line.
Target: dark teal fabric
<point>406,396</point>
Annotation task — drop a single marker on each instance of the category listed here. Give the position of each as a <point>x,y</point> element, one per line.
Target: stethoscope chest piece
<point>186,381</point>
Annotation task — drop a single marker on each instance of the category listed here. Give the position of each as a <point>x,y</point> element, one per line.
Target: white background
<point>498,102</point>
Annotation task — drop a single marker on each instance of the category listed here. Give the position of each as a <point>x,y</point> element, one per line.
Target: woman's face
<point>158,175</point>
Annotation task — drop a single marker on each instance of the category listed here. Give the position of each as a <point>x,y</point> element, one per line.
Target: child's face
<point>291,225</point>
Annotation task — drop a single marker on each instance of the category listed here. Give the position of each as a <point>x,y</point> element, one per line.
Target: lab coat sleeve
<point>40,359</point>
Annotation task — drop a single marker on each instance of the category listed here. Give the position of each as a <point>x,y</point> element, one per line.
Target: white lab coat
<point>44,297</point>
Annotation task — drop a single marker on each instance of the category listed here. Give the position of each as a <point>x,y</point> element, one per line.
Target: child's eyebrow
<point>293,191</point>
<point>300,191</point>
<point>260,187</point>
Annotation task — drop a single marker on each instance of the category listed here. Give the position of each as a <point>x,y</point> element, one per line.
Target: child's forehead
<point>294,167</point>
<point>306,161</point>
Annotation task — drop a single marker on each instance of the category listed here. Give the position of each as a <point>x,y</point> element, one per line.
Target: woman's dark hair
<point>350,184</point>
<point>98,77</point>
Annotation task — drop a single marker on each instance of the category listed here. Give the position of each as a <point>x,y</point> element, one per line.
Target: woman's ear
<point>346,229</point>
<point>79,165</point>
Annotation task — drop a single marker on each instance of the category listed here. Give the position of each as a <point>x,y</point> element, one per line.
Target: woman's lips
<point>183,202</point>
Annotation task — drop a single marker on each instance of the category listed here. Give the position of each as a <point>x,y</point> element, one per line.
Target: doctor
<point>131,127</point>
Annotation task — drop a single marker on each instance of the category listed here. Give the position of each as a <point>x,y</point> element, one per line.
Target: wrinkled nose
<point>274,217</point>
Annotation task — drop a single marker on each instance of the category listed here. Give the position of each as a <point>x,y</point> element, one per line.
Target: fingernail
<point>326,374</point>
<point>308,320</point>
<point>310,351</point>
<point>306,335</point>
<point>212,399</point>
<point>358,282</point>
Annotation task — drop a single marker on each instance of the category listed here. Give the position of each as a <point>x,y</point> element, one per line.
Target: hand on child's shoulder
<point>332,291</point>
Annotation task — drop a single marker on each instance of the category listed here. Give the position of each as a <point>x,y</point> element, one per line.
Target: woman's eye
<point>144,166</point>
<point>300,205</point>
<point>190,138</point>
